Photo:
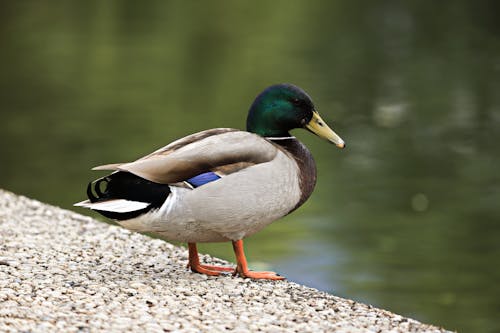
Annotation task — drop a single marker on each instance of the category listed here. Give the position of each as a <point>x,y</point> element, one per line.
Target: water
<point>407,218</point>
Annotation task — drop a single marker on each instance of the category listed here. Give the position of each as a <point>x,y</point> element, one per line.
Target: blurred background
<point>406,218</point>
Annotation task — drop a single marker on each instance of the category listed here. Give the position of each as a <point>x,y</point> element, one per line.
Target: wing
<point>221,150</point>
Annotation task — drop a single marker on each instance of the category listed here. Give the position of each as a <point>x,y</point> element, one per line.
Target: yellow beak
<point>321,129</point>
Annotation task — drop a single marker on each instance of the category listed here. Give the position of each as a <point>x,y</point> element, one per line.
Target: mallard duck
<point>220,184</point>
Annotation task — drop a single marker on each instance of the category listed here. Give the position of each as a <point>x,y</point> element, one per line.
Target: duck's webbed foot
<point>259,275</point>
<point>242,266</point>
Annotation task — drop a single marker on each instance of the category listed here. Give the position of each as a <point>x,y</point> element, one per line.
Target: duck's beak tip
<point>341,145</point>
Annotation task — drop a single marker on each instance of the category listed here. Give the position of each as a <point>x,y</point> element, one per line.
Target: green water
<point>407,218</point>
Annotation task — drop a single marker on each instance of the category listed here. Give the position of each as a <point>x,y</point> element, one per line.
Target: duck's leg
<point>194,263</point>
<point>242,266</point>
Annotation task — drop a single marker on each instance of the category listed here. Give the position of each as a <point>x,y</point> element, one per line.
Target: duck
<point>221,184</point>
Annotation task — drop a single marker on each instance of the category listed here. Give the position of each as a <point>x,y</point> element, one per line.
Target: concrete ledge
<point>61,271</point>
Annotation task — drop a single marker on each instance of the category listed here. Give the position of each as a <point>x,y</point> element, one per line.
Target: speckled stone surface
<point>61,271</point>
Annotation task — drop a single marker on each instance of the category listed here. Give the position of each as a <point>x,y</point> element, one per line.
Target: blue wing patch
<point>202,179</point>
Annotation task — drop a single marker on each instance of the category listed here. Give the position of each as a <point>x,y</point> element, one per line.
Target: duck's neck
<point>263,129</point>
<point>278,138</point>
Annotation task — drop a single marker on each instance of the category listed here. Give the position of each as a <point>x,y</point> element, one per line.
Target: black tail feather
<point>125,185</point>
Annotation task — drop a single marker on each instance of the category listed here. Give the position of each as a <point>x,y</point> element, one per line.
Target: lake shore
<point>62,271</point>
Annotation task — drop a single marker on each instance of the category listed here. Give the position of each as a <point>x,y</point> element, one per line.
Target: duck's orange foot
<point>210,269</point>
<point>242,267</point>
<point>259,275</point>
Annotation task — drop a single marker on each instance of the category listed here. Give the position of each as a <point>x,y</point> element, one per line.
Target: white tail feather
<point>115,205</point>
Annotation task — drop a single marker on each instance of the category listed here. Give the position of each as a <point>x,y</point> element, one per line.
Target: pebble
<point>61,271</point>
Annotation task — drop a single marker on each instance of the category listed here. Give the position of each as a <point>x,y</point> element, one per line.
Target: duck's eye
<point>297,101</point>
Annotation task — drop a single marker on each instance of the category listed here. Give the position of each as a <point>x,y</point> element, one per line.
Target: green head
<point>283,107</point>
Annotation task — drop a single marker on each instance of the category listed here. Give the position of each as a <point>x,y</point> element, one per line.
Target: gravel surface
<point>61,271</point>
